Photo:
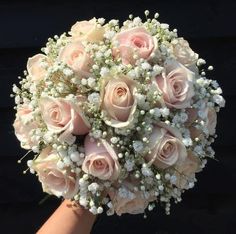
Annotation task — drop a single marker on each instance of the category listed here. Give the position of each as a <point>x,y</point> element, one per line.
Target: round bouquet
<point>119,118</point>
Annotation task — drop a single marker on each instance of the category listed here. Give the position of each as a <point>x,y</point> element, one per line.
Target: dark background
<point>210,28</point>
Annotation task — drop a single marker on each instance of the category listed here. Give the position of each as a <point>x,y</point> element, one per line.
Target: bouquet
<point>117,118</point>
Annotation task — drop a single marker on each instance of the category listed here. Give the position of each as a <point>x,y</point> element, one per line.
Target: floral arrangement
<point>119,118</point>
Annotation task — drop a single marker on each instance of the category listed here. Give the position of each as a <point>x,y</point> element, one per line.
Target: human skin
<point>68,219</point>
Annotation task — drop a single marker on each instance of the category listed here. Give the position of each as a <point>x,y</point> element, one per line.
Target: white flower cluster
<point>119,118</point>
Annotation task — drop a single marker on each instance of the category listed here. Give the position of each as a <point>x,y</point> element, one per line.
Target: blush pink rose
<point>192,116</point>
<point>59,182</point>
<point>176,85</point>
<point>34,67</point>
<point>89,31</point>
<point>61,115</point>
<point>74,55</point>
<point>195,132</point>
<point>185,171</point>
<point>211,120</point>
<point>100,161</point>
<point>131,42</point>
<point>135,203</point>
<point>183,53</point>
<point>166,147</point>
<point>118,101</point>
<point>24,125</point>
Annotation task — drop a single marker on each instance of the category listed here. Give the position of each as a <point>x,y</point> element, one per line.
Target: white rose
<point>183,53</point>
<point>34,67</point>
<point>89,31</point>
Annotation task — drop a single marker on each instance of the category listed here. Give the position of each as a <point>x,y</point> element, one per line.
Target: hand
<point>69,218</point>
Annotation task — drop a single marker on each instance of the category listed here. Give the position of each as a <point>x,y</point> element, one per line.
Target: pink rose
<point>134,203</point>
<point>100,161</point>
<point>134,42</point>
<point>24,125</point>
<point>185,171</point>
<point>74,55</point>
<point>192,116</point>
<point>35,69</point>
<point>195,132</point>
<point>89,31</point>
<point>61,115</point>
<point>59,182</point>
<point>176,85</point>
<point>210,117</point>
<point>211,120</point>
<point>118,101</point>
<point>166,147</point>
<point>183,53</point>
